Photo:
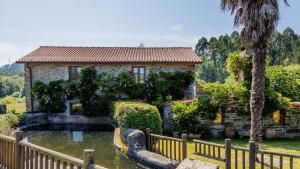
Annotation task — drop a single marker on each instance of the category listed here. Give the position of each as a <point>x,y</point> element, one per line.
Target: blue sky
<point>27,24</point>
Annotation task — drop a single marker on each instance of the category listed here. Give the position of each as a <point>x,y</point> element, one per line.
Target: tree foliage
<point>283,49</point>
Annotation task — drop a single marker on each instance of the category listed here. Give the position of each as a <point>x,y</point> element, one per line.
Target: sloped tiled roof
<point>61,54</point>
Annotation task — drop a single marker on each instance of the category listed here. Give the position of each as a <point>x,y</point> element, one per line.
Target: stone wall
<point>51,72</point>
<point>241,124</point>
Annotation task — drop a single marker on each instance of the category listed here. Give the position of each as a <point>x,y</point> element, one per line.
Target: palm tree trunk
<point>257,92</point>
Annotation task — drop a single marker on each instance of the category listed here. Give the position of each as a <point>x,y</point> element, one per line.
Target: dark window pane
<point>142,70</point>
<point>74,72</point>
<point>135,70</point>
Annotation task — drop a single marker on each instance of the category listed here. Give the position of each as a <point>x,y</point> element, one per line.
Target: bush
<point>51,96</point>
<point>8,121</point>
<point>284,81</point>
<point>137,115</point>
<point>186,119</point>
<point>88,86</point>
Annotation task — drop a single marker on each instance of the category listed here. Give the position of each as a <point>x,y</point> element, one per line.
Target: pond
<point>72,139</point>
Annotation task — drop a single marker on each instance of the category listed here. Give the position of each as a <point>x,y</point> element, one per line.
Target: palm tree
<point>258,19</point>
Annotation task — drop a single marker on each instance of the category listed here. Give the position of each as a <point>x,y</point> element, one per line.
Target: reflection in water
<point>77,136</point>
<point>74,142</point>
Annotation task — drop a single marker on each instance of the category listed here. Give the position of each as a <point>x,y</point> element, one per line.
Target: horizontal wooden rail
<point>50,153</point>
<point>268,158</point>
<point>244,157</point>
<point>173,148</point>
<point>209,150</point>
<point>18,154</point>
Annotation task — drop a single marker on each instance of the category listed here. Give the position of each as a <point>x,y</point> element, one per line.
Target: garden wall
<point>242,124</point>
<point>37,119</point>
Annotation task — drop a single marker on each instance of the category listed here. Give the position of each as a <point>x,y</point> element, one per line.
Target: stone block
<point>136,140</point>
<point>196,164</point>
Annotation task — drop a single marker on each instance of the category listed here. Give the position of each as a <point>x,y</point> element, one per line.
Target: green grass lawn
<point>279,145</point>
<point>18,107</point>
<point>14,104</point>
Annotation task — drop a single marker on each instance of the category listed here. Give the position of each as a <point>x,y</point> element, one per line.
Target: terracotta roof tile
<point>62,54</point>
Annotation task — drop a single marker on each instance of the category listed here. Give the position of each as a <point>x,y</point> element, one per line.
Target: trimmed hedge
<point>137,115</point>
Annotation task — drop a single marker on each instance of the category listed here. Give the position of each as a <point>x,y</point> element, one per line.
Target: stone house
<point>50,63</point>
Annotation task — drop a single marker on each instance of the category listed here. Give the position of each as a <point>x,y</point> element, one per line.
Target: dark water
<point>73,139</point>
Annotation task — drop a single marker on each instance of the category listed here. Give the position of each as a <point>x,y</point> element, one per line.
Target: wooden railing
<point>242,157</point>
<point>169,147</point>
<point>18,154</point>
<point>267,159</point>
<point>209,150</point>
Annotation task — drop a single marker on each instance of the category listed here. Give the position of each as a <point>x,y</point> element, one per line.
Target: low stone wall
<point>241,124</point>
<point>78,119</point>
<point>36,119</point>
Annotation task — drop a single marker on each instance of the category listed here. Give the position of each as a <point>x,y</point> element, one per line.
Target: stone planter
<point>270,133</point>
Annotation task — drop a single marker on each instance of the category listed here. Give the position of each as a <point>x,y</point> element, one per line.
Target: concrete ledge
<point>153,160</point>
<point>196,164</point>
<point>78,119</point>
<point>136,150</point>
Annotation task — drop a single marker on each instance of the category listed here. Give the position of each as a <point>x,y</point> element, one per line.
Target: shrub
<point>88,86</point>
<point>8,121</point>
<point>185,119</point>
<point>137,115</point>
<point>283,80</point>
<point>51,96</point>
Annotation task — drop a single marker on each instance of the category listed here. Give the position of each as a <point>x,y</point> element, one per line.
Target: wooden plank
<point>55,154</point>
<point>41,161</point>
<point>27,158</point>
<point>58,164</point>
<point>46,161</point>
<point>236,158</point>
<point>36,160</point>
<point>164,137</point>
<point>262,161</point>
<point>163,146</point>
<point>51,162</point>
<point>31,158</point>
<point>171,153</point>
<point>280,162</point>
<point>291,163</point>
<point>64,165</point>
<point>271,161</point>
<point>244,160</point>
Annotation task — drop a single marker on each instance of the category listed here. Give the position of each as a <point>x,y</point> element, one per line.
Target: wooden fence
<point>169,147</point>
<point>241,157</point>
<point>18,154</point>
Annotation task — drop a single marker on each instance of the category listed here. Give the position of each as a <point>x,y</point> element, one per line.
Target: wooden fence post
<point>148,138</point>
<point>227,153</point>
<point>19,137</point>
<point>184,146</point>
<point>88,158</point>
<point>252,154</point>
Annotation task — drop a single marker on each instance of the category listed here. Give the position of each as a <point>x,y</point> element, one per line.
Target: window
<point>139,74</point>
<point>74,72</point>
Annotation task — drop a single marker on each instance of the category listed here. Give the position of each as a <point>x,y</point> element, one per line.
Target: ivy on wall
<point>97,92</point>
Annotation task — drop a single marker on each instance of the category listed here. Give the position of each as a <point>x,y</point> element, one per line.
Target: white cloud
<point>8,49</point>
<point>9,52</point>
<point>178,27</point>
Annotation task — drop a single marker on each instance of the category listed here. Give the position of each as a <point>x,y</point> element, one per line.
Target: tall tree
<point>258,19</point>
